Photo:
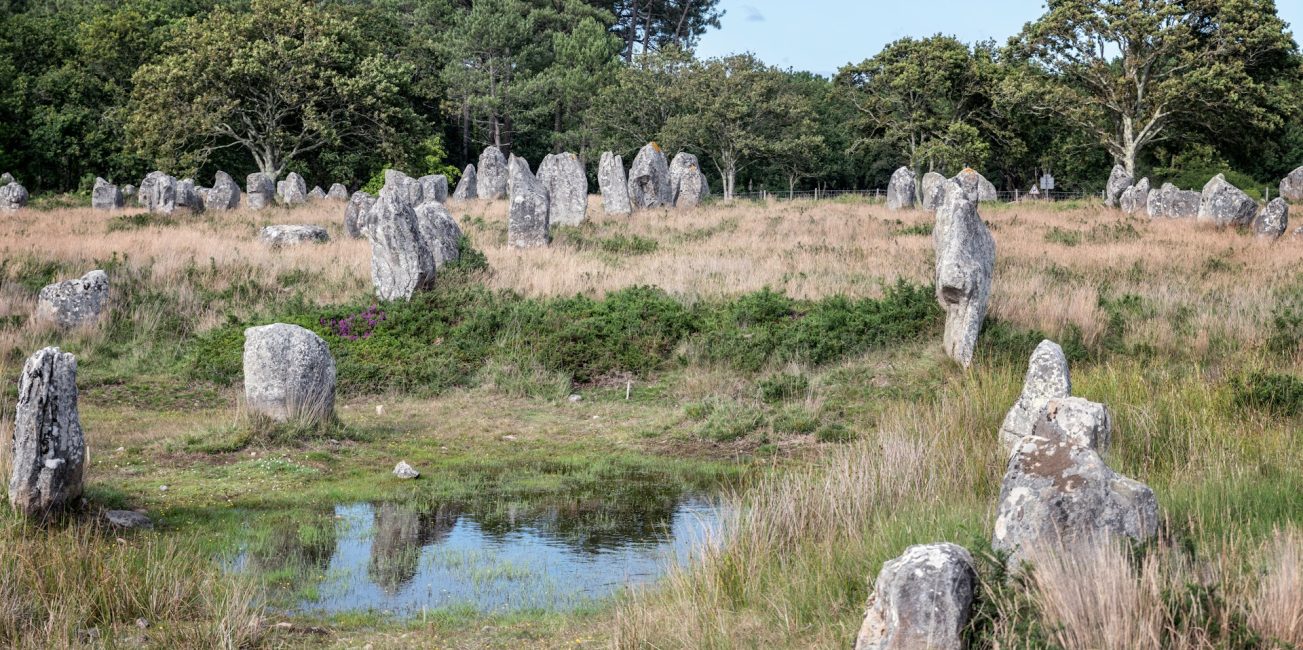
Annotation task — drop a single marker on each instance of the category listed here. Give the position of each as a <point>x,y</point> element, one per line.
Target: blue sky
<point>823,35</point>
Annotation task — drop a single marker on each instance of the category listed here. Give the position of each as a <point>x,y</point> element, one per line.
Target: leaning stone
<point>439,232</point>
<point>404,471</point>
<point>224,195</point>
<point>261,189</point>
<point>293,235</point>
<point>1058,493</point>
<point>613,184</point>
<point>404,187</point>
<point>649,179</point>
<point>317,194</point>
<point>1168,202</point>
<point>466,187</point>
<point>355,213</point>
<point>434,188</point>
<point>900,190</point>
<point>288,374</point>
<point>127,520</point>
<point>527,225</point>
<point>1047,378</point>
<point>292,191</point>
<point>491,182</point>
<point>337,192</point>
<point>921,600</point>
<point>1291,187</point>
<point>976,185</point>
<point>1118,181</point>
<point>73,303</point>
<point>1273,220</point>
<point>49,450</point>
<point>563,178</point>
<point>401,264</point>
<point>965,264</point>
<point>688,185</point>
<point>1223,204</point>
<point>934,193</point>
<point>105,195</point>
<point>158,193</point>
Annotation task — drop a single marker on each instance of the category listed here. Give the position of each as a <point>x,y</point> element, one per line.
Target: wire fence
<point>1014,196</point>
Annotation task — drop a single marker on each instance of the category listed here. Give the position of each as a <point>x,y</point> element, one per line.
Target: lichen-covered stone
<point>527,218</point>
<point>649,179</point>
<point>1273,220</point>
<point>105,195</point>
<point>492,173</point>
<point>292,235</point>
<point>1047,378</point>
<point>434,188</point>
<point>316,194</point>
<point>224,194</point>
<point>976,185</point>
<point>73,303</point>
<point>1118,181</point>
<point>467,187</point>
<point>13,197</point>
<point>401,264</point>
<point>921,600</point>
<point>404,187</point>
<point>439,232</point>
<point>1291,187</point>
<point>261,190</point>
<point>566,183</point>
<point>1223,204</point>
<point>965,265</point>
<point>933,190</point>
<point>613,184</point>
<point>337,192</point>
<point>688,185</point>
<point>1135,199</point>
<point>7,178</point>
<point>355,213</point>
<point>158,193</point>
<point>901,189</point>
<point>292,191</point>
<point>49,451</point>
<point>1169,202</point>
<point>289,374</point>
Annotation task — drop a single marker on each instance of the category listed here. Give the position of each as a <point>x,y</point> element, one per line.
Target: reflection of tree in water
<point>400,533</point>
<point>292,546</point>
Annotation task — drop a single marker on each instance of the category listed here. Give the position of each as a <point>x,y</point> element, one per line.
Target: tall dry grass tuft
<point>1276,610</point>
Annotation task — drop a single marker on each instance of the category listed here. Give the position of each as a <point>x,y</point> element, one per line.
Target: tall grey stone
<point>7,178</point>
<point>901,190</point>
<point>1047,378</point>
<point>466,187</point>
<point>976,185</point>
<point>105,195</point>
<point>434,188</point>
<point>316,194</point>
<point>1135,199</point>
<point>527,224</point>
<point>49,451</point>
<point>292,191</point>
<point>73,303</point>
<point>1118,181</point>
<point>128,191</point>
<point>613,184</point>
<point>355,213</point>
<point>225,193</point>
<point>187,195</point>
<point>288,374</point>
<point>404,187</point>
<point>934,191</point>
<point>401,264</point>
<point>1291,187</point>
<point>921,600</point>
<point>1223,204</point>
<point>566,183</point>
<point>158,193</point>
<point>261,190</point>
<point>649,179</point>
<point>965,264</point>
<point>278,236</point>
<point>688,185</point>
<point>438,232</point>
<point>1058,493</point>
<point>1273,220</point>
<point>491,181</point>
<point>337,192</point>
<point>1169,202</point>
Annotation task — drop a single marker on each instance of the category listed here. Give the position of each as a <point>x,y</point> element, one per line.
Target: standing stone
<point>261,189</point>
<point>1058,493</point>
<point>491,183</point>
<point>224,195</point>
<point>128,191</point>
<point>355,213</point>
<point>1168,202</point>
<point>288,374</point>
<point>934,193</point>
<point>1291,187</point>
<point>438,232</point>
<point>527,225</point>
<point>7,178</point>
<point>688,185</point>
<point>563,178</point>
<point>73,303</point>
<point>976,185</point>
<point>401,264</point>
<point>317,194</point>
<point>1047,379</point>
<point>1223,204</point>
<point>1135,198</point>
<point>1118,181</point>
<point>434,188</point>
<point>921,600</point>
<point>202,193</point>
<point>337,192</point>
<point>187,196</point>
<point>900,190</point>
<point>105,195</point>
<point>466,187</point>
<point>649,179</point>
<point>292,191</point>
<point>158,193</point>
<point>293,235</point>
<point>49,451</point>
<point>1273,220</point>
<point>404,187</point>
<point>965,264</point>
<point>613,184</point>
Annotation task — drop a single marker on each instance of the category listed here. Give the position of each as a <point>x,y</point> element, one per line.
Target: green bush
<point>1272,392</point>
<point>779,388</point>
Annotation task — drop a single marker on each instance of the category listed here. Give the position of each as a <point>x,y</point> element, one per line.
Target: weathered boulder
<point>649,179</point>
<point>73,303</point>
<point>128,191</point>
<point>527,224</point>
<point>901,189</point>
<point>7,178</point>
<point>434,188</point>
<point>566,183</point>
<point>202,193</point>
<point>292,191</point>
<point>261,189</point>
<point>13,196</point>
<point>1082,422</point>
<point>355,213</point>
<point>1223,204</point>
<point>1273,220</point>
<point>288,374</point>
<point>613,184</point>
<point>158,193</point>
<point>1118,181</point>
<point>337,192</point>
<point>1291,187</point>
<point>1134,199</point>
<point>1168,202</point>
<point>127,520</point>
<point>1058,493</point>
<point>401,264</point>
<point>293,235</point>
<point>404,187</point>
<point>49,451</point>
<point>933,190</point>
<point>404,471</point>
<point>224,195</point>
<point>965,264</point>
<point>688,184</point>
<point>187,195</point>
<point>921,600</point>
<point>466,187</point>
<point>492,173</point>
<point>976,185</point>
<point>105,195</point>
<point>316,193</point>
<point>1047,379</point>
<point>438,232</point>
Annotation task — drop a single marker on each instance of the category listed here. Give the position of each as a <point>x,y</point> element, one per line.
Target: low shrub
<point>1275,393</point>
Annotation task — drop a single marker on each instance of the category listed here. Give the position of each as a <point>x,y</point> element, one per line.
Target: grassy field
<point>786,353</point>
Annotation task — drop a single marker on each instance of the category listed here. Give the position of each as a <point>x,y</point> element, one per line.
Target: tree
<point>1125,70</point>
<point>281,80</point>
<point>650,25</point>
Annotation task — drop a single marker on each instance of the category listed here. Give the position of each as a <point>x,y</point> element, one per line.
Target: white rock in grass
<point>73,303</point>
<point>404,471</point>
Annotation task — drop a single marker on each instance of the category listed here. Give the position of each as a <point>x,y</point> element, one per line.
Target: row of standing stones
<point>1219,204</point>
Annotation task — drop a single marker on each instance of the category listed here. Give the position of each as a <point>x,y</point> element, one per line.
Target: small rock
<point>13,196</point>
<point>293,235</point>
<point>1291,187</point>
<point>1135,199</point>
<point>49,450</point>
<point>688,185</point>
<point>1169,202</point>
<point>128,520</point>
<point>976,185</point>
<point>162,488</point>
<point>921,600</point>
<point>434,188</point>
<point>404,471</point>
<point>380,409</point>
<point>575,398</point>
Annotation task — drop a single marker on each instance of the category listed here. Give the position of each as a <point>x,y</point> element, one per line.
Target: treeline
<point>337,90</point>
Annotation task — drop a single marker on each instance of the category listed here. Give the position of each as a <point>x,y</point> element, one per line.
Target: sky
<point>823,35</point>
